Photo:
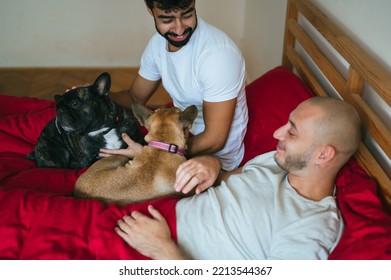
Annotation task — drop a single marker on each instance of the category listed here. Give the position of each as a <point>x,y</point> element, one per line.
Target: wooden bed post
<point>289,39</point>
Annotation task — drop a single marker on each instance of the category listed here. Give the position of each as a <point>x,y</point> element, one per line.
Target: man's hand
<point>131,151</point>
<point>150,236</point>
<point>199,173</point>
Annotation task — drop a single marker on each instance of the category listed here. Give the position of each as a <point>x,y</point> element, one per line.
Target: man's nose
<point>179,28</point>
<point>280,132</point>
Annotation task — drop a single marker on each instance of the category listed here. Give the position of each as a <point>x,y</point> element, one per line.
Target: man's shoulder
<point>267,157</point>
<point>157,39</point>
<point>213,46</point>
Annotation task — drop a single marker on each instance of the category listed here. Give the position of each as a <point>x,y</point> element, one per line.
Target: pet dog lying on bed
<point>86,121</point>
<point>151,174</point>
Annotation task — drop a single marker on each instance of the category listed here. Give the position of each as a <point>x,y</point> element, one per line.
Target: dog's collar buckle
<point>172,148</point>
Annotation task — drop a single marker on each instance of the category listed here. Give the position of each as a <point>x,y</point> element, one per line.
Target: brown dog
<point>151,174</point>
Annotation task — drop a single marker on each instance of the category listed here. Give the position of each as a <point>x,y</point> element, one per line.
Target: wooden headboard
<point>362,70</point>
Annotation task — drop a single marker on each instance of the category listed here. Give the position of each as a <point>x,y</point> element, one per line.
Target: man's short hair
<point>341,125</point>
<point>169,5</point>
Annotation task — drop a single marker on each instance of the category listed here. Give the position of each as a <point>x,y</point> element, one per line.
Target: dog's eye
<point>75,103</point>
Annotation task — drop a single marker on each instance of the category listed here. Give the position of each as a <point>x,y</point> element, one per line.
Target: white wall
<point>114,33</point>
<point>91,32</point>
<point>72,32</point>
<point>263,35</point>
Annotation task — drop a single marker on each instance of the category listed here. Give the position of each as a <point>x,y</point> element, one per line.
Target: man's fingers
<point>201,187</point>
<point>183,176</point>
<point>103,153</point>
<point>135,215</point>
<point>124,223</point>
<point>194,182</point>
<point>155,213</point>
<point>129,141</point>
<point>124,235</point>
<point>85,85</point>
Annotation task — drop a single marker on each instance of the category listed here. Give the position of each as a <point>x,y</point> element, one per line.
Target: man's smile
<point>178,38</point>
<point>280,147</point>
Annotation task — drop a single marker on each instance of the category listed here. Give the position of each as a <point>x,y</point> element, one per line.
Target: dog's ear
<point>102,84</point>
<point>141,113</point>
<point>188,116</point>
<point>58,98</point>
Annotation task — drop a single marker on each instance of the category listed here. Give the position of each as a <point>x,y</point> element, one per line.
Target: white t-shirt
<point>209,68</point>
<point>257,215</point>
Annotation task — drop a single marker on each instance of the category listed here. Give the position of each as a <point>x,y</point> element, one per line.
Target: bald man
<point>280,205</point>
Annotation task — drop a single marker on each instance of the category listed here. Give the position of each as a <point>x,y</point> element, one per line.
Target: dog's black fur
<point>86,121</point>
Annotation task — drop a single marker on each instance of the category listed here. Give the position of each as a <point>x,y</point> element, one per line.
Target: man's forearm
<point>224,175</point>
<point>203,144</point>
<point>122,98</point>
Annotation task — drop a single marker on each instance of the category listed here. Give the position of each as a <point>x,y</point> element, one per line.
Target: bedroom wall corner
<point>263,35</point>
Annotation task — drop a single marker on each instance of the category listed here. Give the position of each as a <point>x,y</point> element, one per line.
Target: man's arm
<point>224,175</point>
<point>140,91</point>
<point>218,118</point>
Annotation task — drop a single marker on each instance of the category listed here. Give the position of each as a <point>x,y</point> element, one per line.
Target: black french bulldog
<point>86,121</point>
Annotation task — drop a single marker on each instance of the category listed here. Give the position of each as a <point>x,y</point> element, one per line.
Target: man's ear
<point>148,9</point>
<point>328,152</point>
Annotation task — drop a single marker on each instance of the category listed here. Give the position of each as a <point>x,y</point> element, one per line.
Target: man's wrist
<point>170,251</point>
<point>219,177</point>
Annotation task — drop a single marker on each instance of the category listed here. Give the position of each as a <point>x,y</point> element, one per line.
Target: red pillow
<point>367,234</point>
<point>270,100</point>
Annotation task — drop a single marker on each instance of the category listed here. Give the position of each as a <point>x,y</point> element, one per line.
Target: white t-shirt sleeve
<point>221,73</point>
<point>148,68</point>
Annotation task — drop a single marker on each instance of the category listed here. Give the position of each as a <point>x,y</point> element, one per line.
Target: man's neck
<point>313,188</point>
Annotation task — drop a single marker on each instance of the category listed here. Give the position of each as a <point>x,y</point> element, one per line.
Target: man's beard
<point>293,162</point>
<point>178,44</point>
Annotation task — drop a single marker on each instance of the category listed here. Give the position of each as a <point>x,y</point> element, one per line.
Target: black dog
<point>86,121</point>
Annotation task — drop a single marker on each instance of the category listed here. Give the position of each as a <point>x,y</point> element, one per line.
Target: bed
<point>40,219</point>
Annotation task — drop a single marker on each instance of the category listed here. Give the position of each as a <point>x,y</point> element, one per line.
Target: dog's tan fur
<point>151,174</point>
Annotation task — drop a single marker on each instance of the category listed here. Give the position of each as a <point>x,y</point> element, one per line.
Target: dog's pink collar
<point>172,148</point>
